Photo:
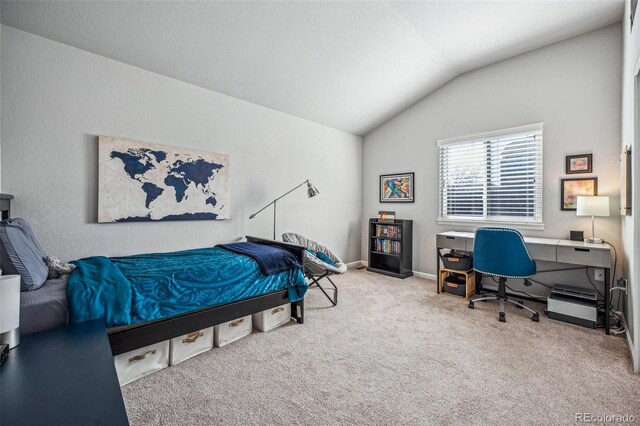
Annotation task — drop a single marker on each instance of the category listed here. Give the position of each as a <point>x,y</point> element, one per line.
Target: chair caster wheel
<point>535,317</point>
<point>502,317</point>
<point>471,305</point>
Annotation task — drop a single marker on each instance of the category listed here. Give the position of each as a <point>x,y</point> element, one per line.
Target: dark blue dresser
<point>63,376</point>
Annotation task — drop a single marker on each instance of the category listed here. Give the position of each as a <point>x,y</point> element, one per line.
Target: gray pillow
<point>22,254</point>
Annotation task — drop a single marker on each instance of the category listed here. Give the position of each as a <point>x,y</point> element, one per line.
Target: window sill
<point>478,223</point>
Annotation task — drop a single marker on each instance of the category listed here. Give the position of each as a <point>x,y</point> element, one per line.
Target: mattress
<point>44,308</point>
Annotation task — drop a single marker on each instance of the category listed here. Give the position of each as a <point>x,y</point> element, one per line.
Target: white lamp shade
<point>9,302</point>
<point>592,206</point>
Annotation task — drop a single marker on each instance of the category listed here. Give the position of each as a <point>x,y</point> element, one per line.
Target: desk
<point>63,376</point>
<point>547,249</point>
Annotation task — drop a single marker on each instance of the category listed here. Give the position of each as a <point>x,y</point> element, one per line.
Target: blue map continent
<point>198,172</point>
<point>178,184</point>
<point>152,192</point>
<point>134,163</point>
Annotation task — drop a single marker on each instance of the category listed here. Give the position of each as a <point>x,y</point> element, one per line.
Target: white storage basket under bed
<point>272,318</point>
<point>141,362</point>
<point>231,331</point>
<point>190,345</point>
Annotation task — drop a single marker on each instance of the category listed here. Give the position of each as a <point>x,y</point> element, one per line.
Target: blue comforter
<point>132,289</point>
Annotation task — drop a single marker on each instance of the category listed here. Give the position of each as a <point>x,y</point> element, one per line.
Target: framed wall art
<point>140,182</point>
<point>576,164</point>
<point>571,189</point>
<point>397,188</point>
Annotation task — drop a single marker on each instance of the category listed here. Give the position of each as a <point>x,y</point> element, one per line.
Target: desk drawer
<point>584,256</point>
<point>542,252</point>
<point>447,241</point>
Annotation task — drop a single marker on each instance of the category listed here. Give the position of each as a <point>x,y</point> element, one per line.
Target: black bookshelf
<point>391,247</point>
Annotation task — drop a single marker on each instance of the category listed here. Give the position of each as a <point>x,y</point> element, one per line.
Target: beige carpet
<point>393,351</point>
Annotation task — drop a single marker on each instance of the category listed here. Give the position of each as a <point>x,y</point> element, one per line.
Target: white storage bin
<point>191,344</point>
<point>272,318</point>
<point>231,331</point>
<point>141,362</point>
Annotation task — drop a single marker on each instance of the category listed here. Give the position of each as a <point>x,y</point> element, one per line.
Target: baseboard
<point>418,274</point>
<point>356,264</point>
<point>632,347</point>
<point>634,353</point>
<point>424,275</point>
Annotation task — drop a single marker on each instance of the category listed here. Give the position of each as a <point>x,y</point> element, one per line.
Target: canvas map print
<point>140,181</point>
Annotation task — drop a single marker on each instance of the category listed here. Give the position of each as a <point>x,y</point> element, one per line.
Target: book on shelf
<point>389,231</point>
<point>387,246</point>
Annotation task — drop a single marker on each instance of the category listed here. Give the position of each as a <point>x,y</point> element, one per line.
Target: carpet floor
<point>393,351</point>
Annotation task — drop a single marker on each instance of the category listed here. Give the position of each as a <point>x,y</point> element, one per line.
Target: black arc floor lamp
<point>312,191</point>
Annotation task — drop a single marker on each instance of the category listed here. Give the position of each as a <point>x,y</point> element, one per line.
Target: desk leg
<point>478,283</point>
<point>607,301</point>
<point>438,270</point>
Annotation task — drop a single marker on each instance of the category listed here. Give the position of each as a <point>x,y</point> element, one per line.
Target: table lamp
<point>593,206</point>
<point>10,310</point>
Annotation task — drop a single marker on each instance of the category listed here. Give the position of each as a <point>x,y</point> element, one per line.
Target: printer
<point>572,304</point>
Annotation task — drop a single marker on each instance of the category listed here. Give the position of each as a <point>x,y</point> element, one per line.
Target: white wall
<point>630,137</point>
<point>573,87</point>
<point>56,100</point>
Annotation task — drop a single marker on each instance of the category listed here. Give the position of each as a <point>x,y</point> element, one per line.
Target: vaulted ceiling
<point>347,65</point>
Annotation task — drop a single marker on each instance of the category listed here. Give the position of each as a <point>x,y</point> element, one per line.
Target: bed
<point>125,338</point>
<point>50,306</point>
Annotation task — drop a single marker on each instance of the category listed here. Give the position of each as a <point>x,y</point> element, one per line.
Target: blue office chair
<point>501,252</point>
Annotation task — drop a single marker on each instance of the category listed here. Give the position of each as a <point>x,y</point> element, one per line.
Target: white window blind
<point>494,177</point>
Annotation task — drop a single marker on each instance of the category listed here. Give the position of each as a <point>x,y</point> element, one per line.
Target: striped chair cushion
<point>22,254</point>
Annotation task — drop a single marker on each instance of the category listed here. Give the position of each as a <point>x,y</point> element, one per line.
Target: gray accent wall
<point>573,87</point>
<point>56,100</point>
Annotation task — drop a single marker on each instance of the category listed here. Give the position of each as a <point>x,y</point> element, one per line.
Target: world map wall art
<point>140,182</point>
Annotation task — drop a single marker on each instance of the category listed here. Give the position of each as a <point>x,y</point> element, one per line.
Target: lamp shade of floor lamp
<point>10,310</point>
<point>592,206</point>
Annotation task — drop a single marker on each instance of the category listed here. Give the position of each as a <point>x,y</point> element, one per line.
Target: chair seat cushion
<point>313,264</point>
<point>323,257</point>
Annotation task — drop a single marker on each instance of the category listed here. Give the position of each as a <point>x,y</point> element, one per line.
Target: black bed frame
<point>128,338</point>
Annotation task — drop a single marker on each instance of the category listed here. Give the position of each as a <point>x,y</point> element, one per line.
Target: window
<point>492,178</point>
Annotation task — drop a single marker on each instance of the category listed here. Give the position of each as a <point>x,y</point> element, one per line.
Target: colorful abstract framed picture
<point>397,188</point>
<point>571,189</point>
<point>576,164</point>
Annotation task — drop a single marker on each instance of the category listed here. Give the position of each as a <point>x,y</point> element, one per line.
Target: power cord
<point>521,292</point>
<point>621,327</point>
